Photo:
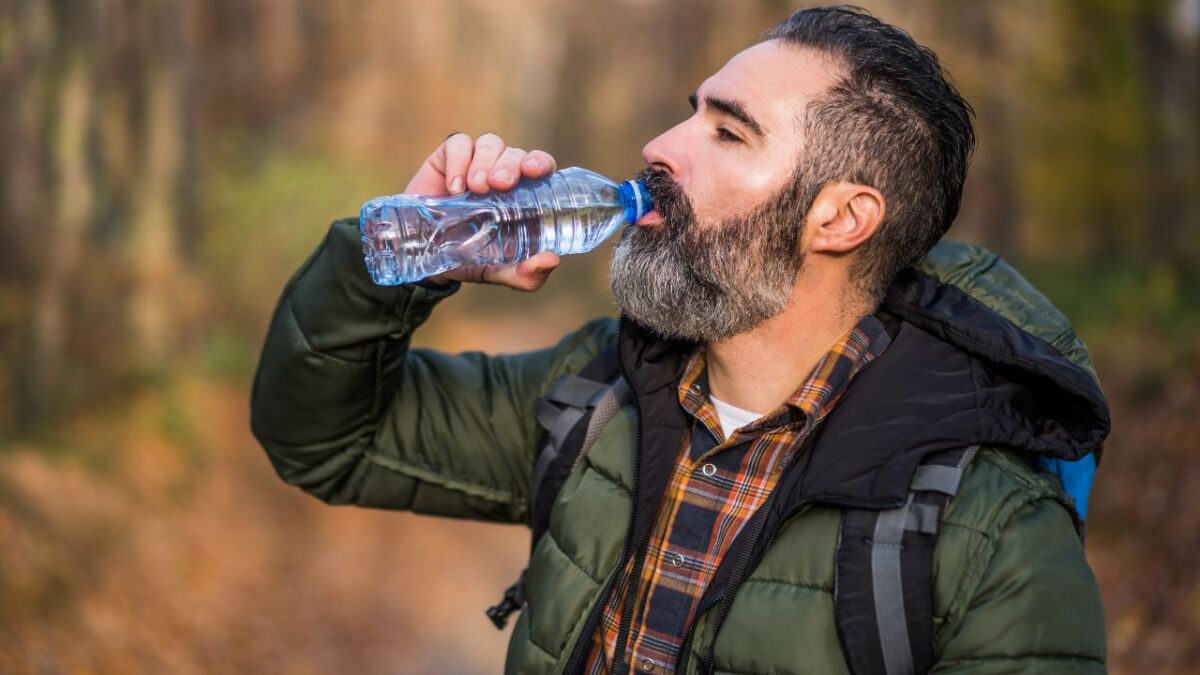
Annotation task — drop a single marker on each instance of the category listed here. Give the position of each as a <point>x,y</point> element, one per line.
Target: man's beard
<point>705,282</point>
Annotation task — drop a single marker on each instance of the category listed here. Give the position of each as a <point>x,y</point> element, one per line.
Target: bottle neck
<point>636,200</point>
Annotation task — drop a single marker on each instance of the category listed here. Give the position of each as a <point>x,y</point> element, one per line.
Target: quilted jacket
<point>349,413</point>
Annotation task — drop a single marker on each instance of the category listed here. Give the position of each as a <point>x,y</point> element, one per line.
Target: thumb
<point>531,274</point>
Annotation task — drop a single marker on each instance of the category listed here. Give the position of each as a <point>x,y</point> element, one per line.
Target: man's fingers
<point>458,151</point>
<point>487,150</point>
<point>538,163</point>
<point>531,274</point>
<point>485,163</point>
<point>507,169</point>
<point>481,165</point>
<point>528,275</point>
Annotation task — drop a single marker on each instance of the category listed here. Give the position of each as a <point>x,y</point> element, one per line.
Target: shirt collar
<point>816,396</point>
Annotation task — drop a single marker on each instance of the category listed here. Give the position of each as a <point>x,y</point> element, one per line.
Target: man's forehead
<point>773,80</point>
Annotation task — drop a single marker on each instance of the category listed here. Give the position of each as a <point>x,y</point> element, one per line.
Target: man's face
<point>720,253</point>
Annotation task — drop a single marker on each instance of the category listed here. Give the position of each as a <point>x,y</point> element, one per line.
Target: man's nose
<point>663,153</point>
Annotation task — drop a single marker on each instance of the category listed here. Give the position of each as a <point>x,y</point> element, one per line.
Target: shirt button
<point>677,560</point>
<point>647,666</point>
<point>709,469</point>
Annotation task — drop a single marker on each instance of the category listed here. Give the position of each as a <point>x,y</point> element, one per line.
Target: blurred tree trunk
<point>95,182</point>
<point>24,164</point>
<point>1170,71</point>
<point>62,236</point>
<point>995,204</point>
<point>152,245</point>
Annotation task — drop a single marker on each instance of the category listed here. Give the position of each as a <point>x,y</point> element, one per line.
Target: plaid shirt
<point>715,487</point>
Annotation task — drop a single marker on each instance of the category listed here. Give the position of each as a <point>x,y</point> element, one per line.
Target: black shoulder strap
<point>883,589</point>
<point>572,414</point>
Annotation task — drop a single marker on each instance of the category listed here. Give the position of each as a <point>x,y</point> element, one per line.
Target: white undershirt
<point>732,418</point>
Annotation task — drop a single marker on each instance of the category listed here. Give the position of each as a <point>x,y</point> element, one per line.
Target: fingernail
<point>456,185</point>
<point>532,162</point>
<point>502,175</point>
<point>480,176</point>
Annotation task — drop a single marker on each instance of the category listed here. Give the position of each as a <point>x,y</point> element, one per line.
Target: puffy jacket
<point>348,412</point>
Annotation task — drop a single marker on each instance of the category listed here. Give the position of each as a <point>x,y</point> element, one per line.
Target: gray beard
<point>709,282</point>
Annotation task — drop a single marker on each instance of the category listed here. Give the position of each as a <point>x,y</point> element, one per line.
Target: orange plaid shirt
<point>715,487</point>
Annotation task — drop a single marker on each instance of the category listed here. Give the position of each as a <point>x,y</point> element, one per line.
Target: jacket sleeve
<point>347,412</point>
<point>1036,607</point>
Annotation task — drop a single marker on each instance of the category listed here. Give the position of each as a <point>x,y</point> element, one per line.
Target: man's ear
<point>842,217</point>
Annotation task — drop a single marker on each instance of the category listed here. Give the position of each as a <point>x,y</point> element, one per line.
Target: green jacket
<point>349,413</point>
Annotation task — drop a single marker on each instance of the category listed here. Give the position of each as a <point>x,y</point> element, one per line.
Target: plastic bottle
<point>409,237</point>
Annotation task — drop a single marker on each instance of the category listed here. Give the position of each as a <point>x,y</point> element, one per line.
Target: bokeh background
<point>164,166</point>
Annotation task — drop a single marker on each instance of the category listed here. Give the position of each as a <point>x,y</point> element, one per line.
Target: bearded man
<point>826,456</point>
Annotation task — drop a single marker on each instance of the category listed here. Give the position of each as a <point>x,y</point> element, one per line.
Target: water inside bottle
<point>400,247</point>
<point>409,237</point>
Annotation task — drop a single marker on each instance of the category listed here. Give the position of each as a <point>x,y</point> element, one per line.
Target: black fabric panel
<point>653,366</point>
<point>888,420</point>
<point>1057,385</point>
<point>927,394</point>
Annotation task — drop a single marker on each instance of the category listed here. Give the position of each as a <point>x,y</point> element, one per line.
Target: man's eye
<point>725,136</point>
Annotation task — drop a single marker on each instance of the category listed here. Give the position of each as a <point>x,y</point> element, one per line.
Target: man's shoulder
<point>1008,522</point>
<point>590,338</point>
<point>997,484</point>
<point>602,329</point>
<point>575,349</point>
<point>1013,582</point>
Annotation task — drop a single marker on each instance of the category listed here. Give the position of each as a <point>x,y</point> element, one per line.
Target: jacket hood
<point>978,356</point>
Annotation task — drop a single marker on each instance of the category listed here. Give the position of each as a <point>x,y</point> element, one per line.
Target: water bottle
<point>410,237</point>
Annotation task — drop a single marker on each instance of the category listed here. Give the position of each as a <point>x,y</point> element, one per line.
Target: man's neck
<point>760,369</point>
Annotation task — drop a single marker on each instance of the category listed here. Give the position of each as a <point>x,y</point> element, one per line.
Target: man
<point>791,374</point>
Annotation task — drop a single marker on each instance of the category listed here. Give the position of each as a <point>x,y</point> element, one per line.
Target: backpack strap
<point>571,414</point>
<point>883,589</point>
<point>570,399</point>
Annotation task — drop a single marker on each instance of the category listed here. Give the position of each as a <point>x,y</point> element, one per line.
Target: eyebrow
<point>732,108</point>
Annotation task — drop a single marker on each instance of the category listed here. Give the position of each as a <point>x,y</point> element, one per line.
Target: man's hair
<point>892,121</point>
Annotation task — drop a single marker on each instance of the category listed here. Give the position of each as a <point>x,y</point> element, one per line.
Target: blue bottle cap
<point>636,200</point>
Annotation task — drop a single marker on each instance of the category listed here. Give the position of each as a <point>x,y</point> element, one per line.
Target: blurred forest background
<point>164,166</point>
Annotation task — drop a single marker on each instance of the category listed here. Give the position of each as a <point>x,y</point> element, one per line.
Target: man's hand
<point>461,163</point>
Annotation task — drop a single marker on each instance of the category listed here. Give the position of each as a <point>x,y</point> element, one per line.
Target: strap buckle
<point>513,600</point>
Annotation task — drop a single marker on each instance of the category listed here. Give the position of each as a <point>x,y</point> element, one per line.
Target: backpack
<point>884,618</point>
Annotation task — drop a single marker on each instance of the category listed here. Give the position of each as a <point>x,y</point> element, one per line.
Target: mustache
<point>669,200</point>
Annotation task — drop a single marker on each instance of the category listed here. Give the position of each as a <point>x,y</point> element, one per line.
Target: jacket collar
<point>957,373</point>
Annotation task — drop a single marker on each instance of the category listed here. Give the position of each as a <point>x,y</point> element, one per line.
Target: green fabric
<point>348,413</point>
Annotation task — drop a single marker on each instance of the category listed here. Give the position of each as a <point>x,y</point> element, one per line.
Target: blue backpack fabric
<point>1075,477</point>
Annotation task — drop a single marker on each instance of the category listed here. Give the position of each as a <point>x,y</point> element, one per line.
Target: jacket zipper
<point>735,578</point>
<point>730,588</point>
<point>621,666</point>
<point>728,592</point>
<point>583,645</point>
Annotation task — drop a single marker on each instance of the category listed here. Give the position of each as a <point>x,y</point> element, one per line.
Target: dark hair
<point>894,122</point>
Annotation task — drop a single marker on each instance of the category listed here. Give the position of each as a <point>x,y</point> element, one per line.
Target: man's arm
<point>1036,608</point>
<point>347,412</point>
